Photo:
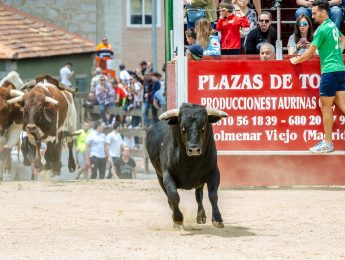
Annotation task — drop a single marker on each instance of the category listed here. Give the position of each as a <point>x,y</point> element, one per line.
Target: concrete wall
<point>95,18</point>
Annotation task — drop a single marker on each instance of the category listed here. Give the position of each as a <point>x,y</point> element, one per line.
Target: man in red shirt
<point>229,25</point>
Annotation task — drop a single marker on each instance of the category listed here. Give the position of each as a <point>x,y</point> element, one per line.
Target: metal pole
<point>279,44</point>
<point>168,7</point>
<point>154,35</point>
<point>181,60</point>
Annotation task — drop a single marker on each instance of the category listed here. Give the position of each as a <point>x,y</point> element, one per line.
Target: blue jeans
<point>102,108</point>
<point>336,14</point>
<point>145,111</point>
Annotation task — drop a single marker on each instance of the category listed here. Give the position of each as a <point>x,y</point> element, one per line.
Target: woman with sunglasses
<point>300,41</point>
<point>261,34</point>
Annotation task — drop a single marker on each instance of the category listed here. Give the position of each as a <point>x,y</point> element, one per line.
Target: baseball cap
<point>196,50</point>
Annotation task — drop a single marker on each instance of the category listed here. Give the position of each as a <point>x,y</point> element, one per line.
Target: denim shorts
<point>332,82</point>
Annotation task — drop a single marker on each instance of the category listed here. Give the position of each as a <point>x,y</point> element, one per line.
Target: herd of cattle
<point>181,146</point>
<point>38,111</point>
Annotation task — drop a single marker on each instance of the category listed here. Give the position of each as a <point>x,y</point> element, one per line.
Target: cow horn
<point>51,100</point>
<point>168,114</point>
<point>216,112</point>
<point>15,100</point>
<point>16,93</point>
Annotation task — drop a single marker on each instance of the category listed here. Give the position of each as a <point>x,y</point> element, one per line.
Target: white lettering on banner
<point>297,103</point>
<point>281,81</point>
<point>240,103</point>
<point>274,135</point>
<point>236,82</point>
<point>255,82</point>
<point>312,80</point>
<point>319,136</point>
<point>259,103</point>
<point>224,136</point>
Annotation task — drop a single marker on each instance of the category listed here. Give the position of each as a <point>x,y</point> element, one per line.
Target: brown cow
<point>49,116</point>
<point>11,119</point>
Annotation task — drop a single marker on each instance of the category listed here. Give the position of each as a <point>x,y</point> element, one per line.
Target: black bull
<point>183,153</point>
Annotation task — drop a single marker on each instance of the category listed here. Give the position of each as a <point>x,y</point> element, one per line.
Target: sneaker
<point>322,147</point>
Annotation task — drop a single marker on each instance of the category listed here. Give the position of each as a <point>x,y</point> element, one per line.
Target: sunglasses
<point>264,20</point>
<point>302,23</point>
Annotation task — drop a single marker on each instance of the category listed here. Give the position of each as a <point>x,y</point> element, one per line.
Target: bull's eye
<point>183,129</point>
<point>203,128</point>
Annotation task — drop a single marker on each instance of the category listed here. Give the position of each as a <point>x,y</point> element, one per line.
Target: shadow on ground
<point>227,231</point>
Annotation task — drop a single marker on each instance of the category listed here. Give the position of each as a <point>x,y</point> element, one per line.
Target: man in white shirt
<point>66,74</point>
<point>124,75</point>
<point>113,143</point>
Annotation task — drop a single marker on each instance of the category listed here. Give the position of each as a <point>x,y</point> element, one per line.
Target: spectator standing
<point>229,25</point>
<point>330,43</point>
<point>104,49</point>
<point>140,72</point>
<point>124,75</point>
<point>208,5</point>
<point>210,43</point>
<point>81,150</point>
<point>336,14</point>
<point>113,142</point>
<point>264,33</point>
<point>105,95</point>
<point>159,100</point>
<point>300,40</point>
<point>138,98</point>
<point>125,166</point>
<point>121,93</point>
<point>96,152</point>
<point>66,74</point>
<point>267,51</point>
<point>95,79</point>
<point>251,16</point>
<point>156,87</point>
<point>252,4</point>
<point>147,104</point>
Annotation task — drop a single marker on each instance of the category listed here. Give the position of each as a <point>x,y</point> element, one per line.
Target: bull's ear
<point>214,115</point>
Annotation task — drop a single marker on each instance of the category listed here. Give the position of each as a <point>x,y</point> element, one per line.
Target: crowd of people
<point>141,89</point>
<point>95,149</point>
<point>238,28</point>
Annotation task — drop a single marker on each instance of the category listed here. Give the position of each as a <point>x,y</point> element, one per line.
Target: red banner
<point>272,105</point>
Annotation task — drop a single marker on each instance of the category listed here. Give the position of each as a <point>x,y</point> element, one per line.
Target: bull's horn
<point>169,113</point>
<point>15,100</point>
<point>16,93</point>
<point>216,112</point>
<point>51,100</point>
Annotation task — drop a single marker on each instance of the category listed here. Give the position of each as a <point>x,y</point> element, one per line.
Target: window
<point>139,13</point>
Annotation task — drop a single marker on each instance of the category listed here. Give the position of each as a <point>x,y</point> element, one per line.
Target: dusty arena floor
<point>115,219</point>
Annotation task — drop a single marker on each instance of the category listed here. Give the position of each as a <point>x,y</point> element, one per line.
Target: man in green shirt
<point>330,43</point>
<point>81,149</point>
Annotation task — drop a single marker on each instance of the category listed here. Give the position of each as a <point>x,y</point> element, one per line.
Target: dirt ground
<point>130,219</point>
